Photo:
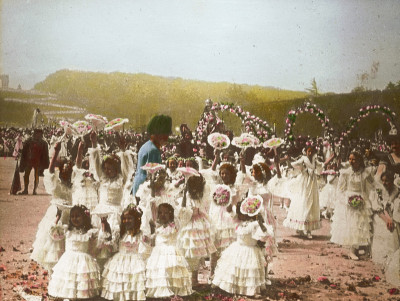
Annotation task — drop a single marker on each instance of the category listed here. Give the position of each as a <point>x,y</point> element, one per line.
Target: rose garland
<point>307,107</point>
<point>366,111</point>
<point>255,125</point>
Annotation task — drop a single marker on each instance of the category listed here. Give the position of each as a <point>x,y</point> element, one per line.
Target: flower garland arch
<point>253,124</point>
<point>307,107</point>
<point>366,111</point>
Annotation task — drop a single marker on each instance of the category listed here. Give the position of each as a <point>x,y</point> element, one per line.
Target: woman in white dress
<point>385,205</point>
<point>351,219</point>
<point>304,212</point>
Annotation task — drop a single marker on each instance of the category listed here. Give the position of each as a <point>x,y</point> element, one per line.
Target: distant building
<point>4,81</point>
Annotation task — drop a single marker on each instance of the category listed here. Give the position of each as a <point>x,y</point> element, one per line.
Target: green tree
<point>314,91</point>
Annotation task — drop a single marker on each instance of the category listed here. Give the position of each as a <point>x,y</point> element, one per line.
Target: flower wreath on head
<point>251,205</point>
<point>112,157</point>
<point>262,170</point>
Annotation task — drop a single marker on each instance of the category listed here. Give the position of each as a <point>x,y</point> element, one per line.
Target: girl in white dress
<point>352,217</point>
<point>304,213</point>
<point>85,186</point>
<point>124,276</point>
<point>167,270</point>
<point>385,205</point>
<point>77,274</point>
<point>257,185</point>
<point>195,236</point>
<point>327,196</point>
<point>240,269</point>
<point>58,184</point>
<point>155,190</point>
<point>223,225</point>
<point>112,172</point>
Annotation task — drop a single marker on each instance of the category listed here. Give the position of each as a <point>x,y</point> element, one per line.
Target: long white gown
<point>304,212</point>
<point>350,226</point>
<point>385,243</point>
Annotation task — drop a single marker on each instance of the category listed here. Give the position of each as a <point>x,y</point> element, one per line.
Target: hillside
<point>72,94</point>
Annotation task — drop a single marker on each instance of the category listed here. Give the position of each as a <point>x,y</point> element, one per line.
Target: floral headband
<point>251,205</point>
<point>112,157</point>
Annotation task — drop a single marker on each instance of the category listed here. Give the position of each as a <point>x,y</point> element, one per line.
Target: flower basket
<point>97,121</point>
<point>152,167</point>
<point>187,172</point>
<point>273,143</point>
<point>218,140</point>
<point>245,140</point>
<point>82,127</point>
<point>116,124</point>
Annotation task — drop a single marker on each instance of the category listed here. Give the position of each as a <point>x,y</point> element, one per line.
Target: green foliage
<point>138,97</point>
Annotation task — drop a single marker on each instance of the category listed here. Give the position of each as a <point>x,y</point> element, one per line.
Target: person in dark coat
<point>35,155</point>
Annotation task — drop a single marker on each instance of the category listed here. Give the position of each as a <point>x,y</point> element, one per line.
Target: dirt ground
<point>303,270</point>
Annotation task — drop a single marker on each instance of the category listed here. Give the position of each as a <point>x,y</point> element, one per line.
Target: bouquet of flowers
<point>251,205</point>
<point>245,140</point>
<point>222,195</point>
<point>98,121</point>
<point>187,172</point>
<point>273,143</point>
<point>82,127</point>
<point>355,201</point>
<point>329,172</point>
<point>218,140</point>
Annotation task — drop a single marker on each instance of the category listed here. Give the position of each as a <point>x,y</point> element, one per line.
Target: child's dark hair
<point>264,170</point>
<point>195,186</point>
<point>84,211</point>
<point>232,171</point>
<point>388,174</point>
<point>169,207</point>
<point>113,160</point>
<point>63,169</point>
<point>136,213</point>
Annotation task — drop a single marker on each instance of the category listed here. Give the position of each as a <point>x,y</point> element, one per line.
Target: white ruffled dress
<point>110,190</point>
<point>240,269</point>
<point>60,194</point>
<point>85,189</point>
<point>148,204</point>
<point>77,274</point>
<point>327,196</point>
<point>167,270</point>
<point>257,188</point>
<point>304,212</point>
<point>352,226</point>
<point>124,274</point>
<point>195,238</point>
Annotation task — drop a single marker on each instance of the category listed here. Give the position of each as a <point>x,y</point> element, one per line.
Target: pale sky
<point>279,43</point>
